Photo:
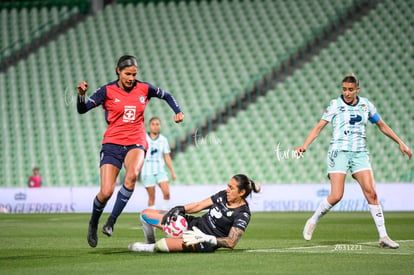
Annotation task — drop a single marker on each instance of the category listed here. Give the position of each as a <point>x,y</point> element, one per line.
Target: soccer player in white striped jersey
<point>349,115</point>
<point>153,172</point>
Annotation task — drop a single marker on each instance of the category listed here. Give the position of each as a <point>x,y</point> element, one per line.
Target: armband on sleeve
<point>375,118</point>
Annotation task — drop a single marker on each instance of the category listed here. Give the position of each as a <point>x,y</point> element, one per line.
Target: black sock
<point>97,210</point>
<point>121,200</point>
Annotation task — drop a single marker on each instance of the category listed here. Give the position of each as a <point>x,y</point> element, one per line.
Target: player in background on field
<point>222,226</point>
<point>153,172</point>
<point>35,180</point>
<point>349,115</point>
<point>124,143</point>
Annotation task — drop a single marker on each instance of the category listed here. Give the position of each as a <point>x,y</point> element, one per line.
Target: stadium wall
<point>274,197</point>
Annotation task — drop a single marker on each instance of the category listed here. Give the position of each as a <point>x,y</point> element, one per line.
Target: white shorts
<point>342,161</point>
<point>152,180</point>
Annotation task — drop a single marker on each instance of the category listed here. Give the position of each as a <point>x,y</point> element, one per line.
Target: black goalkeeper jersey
<point>220,218</point>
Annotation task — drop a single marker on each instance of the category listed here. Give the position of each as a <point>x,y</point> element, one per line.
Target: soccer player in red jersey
<point>124,101</point>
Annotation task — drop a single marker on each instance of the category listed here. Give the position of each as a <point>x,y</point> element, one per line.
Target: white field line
<point>307,247</point>
<point>398,241</point>
<point>317,249</point>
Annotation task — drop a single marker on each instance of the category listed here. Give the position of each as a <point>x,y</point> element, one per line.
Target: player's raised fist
<point>82,87</point>
<point>179,117</point>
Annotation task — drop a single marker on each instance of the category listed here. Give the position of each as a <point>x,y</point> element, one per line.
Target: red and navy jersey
<point>124,110</point>
<point>220,218</point>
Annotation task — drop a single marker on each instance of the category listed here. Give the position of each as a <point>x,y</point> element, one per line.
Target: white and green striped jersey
<point>349,122</point>
<point>154,160</point>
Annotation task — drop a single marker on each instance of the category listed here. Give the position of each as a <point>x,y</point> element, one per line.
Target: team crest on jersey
<point>229,213</point>
<point>129,114</point>
<point>364,107</point>
<point>142,99</point>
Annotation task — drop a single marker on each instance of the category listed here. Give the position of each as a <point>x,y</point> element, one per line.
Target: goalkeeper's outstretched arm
<point>195,236</point>
<point>232,239</point>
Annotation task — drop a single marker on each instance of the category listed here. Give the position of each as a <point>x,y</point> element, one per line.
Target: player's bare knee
<point>105,194</point>
<point>371,196</point>
<point>130,180</point>
<point>145,212</point>
<point>335,198</point>
<point>149,212</point>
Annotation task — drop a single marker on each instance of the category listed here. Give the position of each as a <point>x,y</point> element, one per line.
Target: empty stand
<point>205,53</point>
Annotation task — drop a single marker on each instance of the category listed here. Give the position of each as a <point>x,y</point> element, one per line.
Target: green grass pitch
<point>343,243</point>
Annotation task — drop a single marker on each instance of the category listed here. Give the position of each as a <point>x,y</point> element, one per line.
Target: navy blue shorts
<point>115,154</point>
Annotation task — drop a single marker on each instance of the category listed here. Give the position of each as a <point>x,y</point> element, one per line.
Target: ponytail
<point>247,184</point>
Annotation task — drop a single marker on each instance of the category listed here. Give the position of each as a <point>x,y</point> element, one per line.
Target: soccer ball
<point>176,228</point>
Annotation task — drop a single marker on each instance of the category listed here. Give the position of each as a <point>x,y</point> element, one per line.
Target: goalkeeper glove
<point>195,236</point>
<point>172,214</point>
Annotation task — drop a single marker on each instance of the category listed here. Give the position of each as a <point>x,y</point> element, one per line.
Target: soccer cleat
<point>308,230</point>
<point>387,242</point>
<point>92,235</point>
<point>108,228</point>
<point>141,247</point>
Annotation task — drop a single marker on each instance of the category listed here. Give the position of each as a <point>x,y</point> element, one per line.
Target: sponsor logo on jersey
<point>215,212</point>
<point>354,119</point>
<point>129,114</point>
<point>116,100</point>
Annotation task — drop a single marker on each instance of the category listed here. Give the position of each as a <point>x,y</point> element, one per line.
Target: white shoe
<point>142,247</point>
<point>308,230</point>
<point>387,242</point>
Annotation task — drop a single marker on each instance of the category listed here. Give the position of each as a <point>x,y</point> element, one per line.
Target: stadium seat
<point>206,54</point>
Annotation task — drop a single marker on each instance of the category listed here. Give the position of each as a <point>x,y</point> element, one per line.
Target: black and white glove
<point>195,236</point>
<point>172,214</point>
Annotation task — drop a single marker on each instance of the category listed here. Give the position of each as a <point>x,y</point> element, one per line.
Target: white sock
<point>322,209</point>
<point>149,231</point>
<point>151,207</point>
<point>165,205</point>
<point>149,247</point>
<point>142,247</point>
<point>378,216</point>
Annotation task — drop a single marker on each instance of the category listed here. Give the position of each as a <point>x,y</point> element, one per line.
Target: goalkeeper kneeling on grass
<point>222,226</point>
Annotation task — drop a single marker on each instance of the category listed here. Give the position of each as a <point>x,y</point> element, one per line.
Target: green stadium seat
<point>206,54</point>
